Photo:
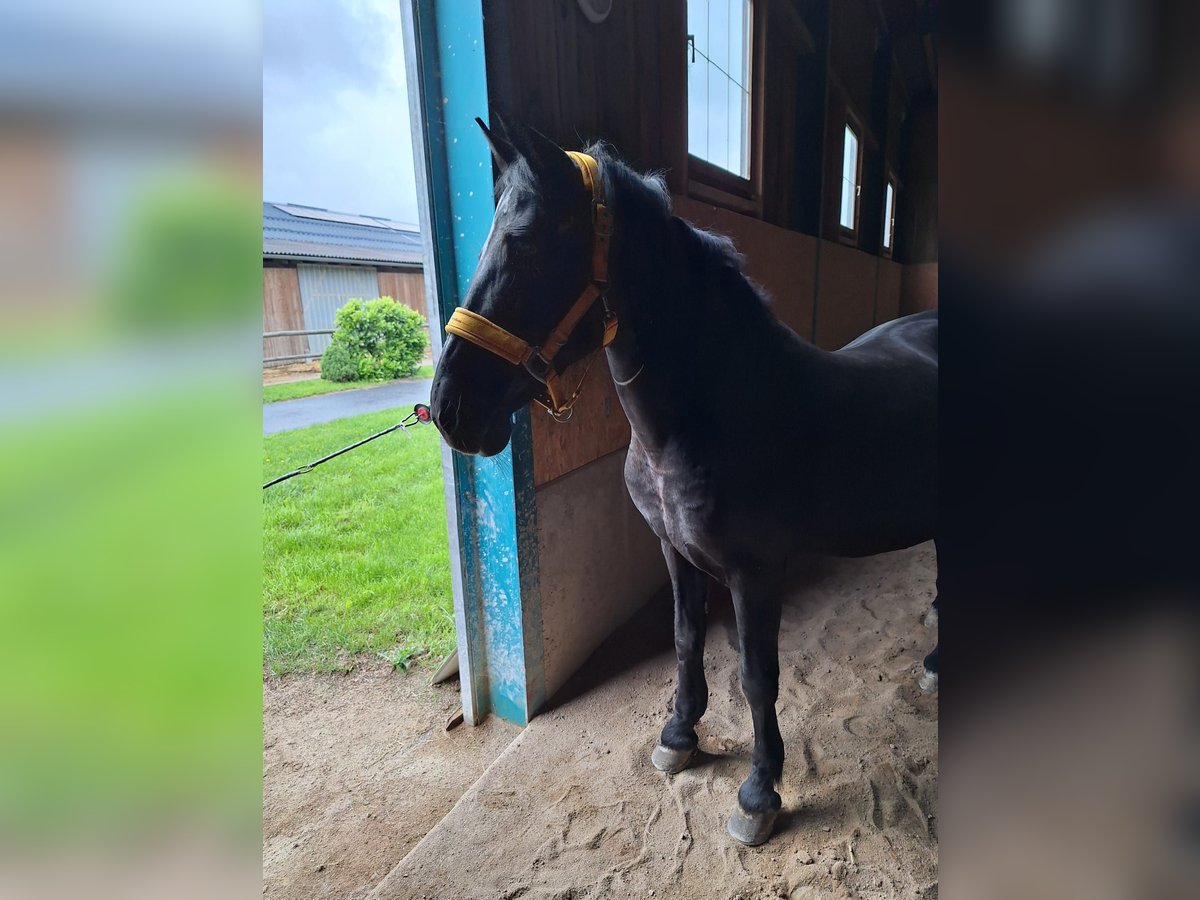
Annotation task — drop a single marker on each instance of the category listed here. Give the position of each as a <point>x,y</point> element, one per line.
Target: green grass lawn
<point>293,389</point>
<point>355,557</point>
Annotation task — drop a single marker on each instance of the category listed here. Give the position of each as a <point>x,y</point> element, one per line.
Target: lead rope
<point>419,415</point>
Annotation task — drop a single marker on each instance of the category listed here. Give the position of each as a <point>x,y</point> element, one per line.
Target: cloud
<point>335,107</point>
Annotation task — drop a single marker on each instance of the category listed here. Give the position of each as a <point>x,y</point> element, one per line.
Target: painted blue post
<point>490,502</point>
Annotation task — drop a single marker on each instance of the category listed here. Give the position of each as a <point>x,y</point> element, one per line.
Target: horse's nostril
<point>440,418</point>
<point>445,414</point>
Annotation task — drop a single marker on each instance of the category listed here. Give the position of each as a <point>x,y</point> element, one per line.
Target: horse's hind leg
<point>758,610</point>
<point>678,742</point>
<point>928,680</point>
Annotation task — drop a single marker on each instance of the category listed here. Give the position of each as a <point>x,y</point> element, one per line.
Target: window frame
<point>709,182</point>
<point>888,247</point>
<point>850,123</point>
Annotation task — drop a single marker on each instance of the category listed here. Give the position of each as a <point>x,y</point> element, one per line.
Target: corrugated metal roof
<point>308,232</point>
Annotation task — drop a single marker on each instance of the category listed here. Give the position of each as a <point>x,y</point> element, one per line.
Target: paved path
<point>300,413</point>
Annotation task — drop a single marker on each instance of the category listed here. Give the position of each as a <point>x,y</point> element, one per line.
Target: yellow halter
<point>539,361</point>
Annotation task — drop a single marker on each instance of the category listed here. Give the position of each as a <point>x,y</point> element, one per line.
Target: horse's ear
<point>504,152</point>
<point>545,157</point>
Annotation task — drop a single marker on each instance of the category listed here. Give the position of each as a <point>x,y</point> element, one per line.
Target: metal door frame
<point>490,503</point>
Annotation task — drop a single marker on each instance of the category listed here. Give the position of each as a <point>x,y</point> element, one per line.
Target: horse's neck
<point>661,323</point>
<point>681,343</point>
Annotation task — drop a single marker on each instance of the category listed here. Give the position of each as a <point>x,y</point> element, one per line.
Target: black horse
<point>751,448</point>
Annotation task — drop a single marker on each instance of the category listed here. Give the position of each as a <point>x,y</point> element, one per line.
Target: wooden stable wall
<point>403,286</point>
<point>282,311</point>
<point>623,80</point>
<point>919,288</point>
<point>853,291</point>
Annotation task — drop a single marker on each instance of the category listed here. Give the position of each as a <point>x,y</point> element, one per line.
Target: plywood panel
<point>782,261</point>
<point>282,311</point>
<point>845,295</point>
<point>919,288</point>
<point>597,427</point>
<point>887,293</point>
<point>404,287</point>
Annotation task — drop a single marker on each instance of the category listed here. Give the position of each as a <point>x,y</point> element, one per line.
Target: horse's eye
<point>518,244</point>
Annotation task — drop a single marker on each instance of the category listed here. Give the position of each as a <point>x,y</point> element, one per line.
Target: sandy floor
<point>572,808</point>
<point>356,769</point>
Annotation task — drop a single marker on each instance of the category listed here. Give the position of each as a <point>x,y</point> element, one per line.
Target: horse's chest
<point>675,497</point>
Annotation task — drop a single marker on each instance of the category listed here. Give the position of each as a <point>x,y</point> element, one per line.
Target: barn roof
<point>292,231</point>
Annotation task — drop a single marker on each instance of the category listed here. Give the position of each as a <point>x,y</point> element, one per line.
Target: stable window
<point>851,166</point>
<point>719,67</point>
<point>889,215</point>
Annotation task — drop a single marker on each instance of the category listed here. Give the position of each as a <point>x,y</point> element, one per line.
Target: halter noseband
<point>539,361</point>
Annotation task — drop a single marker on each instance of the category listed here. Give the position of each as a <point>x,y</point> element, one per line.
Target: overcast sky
<point>335,107</point>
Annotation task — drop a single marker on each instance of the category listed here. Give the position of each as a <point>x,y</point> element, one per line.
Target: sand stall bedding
<point>573,809</point>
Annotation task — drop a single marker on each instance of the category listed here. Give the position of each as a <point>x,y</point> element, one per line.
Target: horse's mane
<point>650,199</point>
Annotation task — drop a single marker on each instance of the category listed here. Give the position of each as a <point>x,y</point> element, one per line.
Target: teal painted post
<point>490,502</point>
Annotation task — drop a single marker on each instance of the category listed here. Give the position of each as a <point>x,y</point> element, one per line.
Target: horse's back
<point>877,474</point>
<point>915,335</point>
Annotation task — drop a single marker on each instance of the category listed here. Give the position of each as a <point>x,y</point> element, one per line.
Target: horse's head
<point>535,265</point>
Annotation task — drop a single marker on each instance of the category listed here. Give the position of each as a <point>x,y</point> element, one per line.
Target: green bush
<point>338,363</point>
<point>376,340</point>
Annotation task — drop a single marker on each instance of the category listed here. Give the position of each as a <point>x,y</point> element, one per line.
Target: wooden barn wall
<point>919,288</point>
<point>887,290</point>
<point>623,80</point>
<point>282,311</point>
<point>854,35</point>
<point>845,295</point>
<point>783,262</point>
<point>407,287</point>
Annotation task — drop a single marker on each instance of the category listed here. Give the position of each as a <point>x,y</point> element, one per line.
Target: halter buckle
<point>538,366</point>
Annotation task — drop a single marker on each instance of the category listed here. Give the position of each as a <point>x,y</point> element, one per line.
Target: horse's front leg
<point>757,604</point>
<point>679,741</point>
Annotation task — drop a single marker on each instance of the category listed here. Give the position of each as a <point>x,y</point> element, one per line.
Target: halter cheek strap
<point>539,361</point>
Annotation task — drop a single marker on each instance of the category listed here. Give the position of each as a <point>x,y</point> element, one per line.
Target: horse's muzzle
<point>466,432</point>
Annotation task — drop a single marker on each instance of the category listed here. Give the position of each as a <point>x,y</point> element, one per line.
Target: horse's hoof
<point>669,760</point>
<point>751,829</point>
<point>928,682</point>
<point>931,617</point>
